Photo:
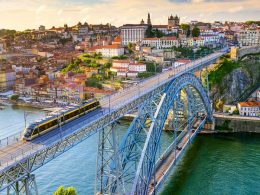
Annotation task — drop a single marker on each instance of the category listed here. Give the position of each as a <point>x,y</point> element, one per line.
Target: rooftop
<point>249,104</point>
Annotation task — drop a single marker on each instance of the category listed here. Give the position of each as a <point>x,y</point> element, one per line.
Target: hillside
<point>231,82</point>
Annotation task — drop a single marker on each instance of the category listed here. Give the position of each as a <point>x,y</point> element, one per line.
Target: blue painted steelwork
<point>138,149</point>
<point>140,144</point>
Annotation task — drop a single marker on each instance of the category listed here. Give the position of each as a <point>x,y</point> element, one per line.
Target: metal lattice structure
<point>138,149</point>
<point>117,164</point>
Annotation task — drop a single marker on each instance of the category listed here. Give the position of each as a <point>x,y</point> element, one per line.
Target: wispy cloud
<point>21,14</point>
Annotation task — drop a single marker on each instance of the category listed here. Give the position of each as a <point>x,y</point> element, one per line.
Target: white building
<point>249,108</point>
<point>249,37</point>
<point>109,50</point>
<point>161,43</point>
<point>126,68</point>
<point>120,66</point>
<point>181,62</point>
<point>138,67</point>
<point>132,33</point>
<point>2,48</point>
<point>162,28</point>
<point>258,95</point>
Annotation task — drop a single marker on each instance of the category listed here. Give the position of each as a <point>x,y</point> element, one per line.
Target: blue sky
<point>23,14</point>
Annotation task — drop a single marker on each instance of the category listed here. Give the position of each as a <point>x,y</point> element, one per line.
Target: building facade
<point>109,50</point>
<point>161,43</point>
<point>249,109</point>
<point>132,33</point>
<point>249,37</point>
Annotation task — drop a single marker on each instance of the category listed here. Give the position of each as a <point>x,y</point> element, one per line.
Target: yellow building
<point>234,53</point>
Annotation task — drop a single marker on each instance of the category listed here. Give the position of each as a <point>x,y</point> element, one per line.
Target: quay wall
<point>241,124</point>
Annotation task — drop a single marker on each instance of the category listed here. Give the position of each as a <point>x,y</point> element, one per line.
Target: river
<point>219,164</point>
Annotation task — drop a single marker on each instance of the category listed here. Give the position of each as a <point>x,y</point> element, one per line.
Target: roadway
<point>20,149</point>
<point>164,167</point>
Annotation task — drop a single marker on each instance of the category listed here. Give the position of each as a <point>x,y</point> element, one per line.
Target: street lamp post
<point>60,128</point>
<point>25,114</point>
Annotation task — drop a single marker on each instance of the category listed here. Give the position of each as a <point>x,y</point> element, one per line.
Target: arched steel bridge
<point>133,166</point>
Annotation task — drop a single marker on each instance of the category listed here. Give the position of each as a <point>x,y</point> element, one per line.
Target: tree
<point>130,47</point>
<point>236,112</point>
<point>62,191</point>
<point>157,33</point>
<point>185,27</point>
<point>14,97</point>
<point>149,32</point>
<point>195,32</point>
<point>150,67</point>
<point>107,65</point>
<point>188,32</point>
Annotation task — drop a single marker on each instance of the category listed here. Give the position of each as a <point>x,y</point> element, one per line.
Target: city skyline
<point>26,14</point>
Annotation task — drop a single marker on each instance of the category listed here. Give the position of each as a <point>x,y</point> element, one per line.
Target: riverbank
<point>234,124</point>
<point>225,124</point>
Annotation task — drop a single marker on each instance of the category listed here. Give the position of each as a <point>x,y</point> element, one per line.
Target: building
<point>234,53</point>
<point>41,28</point>
<point>173,21</point>
<point>181,62</point>
<point>132,33</point>
<point>7,79</point>
<point>249,108</point>
<point>137,67</point>
<point>109,50</point>
<point>126,68</point>
<point>82,29</point>
<point>249,37</point>
<point>196,42</point>
<point>2,47</point>
<point>258,95</point>
<point>161,43</point>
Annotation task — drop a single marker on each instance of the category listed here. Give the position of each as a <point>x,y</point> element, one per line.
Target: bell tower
<point>149,20</point>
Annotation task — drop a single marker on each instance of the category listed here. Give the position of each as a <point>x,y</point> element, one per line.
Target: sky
<point>30,14</point>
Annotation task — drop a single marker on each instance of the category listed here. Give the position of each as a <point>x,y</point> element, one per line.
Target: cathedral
<point>173,21</point>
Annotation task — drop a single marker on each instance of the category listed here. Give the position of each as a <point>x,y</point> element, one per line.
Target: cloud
<point>235,9</point>
<point>40,9</point>
<point>21,14</point>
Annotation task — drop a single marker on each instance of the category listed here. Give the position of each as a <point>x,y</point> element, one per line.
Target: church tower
<point>149,20</point>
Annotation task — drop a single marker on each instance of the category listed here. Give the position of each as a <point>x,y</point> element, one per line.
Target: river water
<point>219,164</point>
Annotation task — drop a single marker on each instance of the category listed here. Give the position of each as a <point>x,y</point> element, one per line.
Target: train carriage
<point>45,125</point>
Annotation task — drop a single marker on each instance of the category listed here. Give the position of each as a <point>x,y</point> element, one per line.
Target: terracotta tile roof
<point>160,26</point>
<point>121,61</point>
<point>249,104</point>
<point>151,39</point>
<point>107,47</point>
<point>137,64</point>
<point>117,39</point>
<point>183,61</point>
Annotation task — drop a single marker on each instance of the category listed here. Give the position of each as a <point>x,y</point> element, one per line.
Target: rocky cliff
<point>234,83</point>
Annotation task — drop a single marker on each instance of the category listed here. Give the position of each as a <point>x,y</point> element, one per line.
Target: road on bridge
<point>20,149</point>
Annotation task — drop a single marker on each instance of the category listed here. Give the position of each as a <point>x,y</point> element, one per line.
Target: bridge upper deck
<point>20,150</point>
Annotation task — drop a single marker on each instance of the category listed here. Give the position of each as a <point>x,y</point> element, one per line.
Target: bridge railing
<point>10,140</point>
<point>35,148</point>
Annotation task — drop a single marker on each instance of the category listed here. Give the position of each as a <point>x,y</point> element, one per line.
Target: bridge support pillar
<point>26,186</point>
<point>207,80</point>
<point>108,175</point>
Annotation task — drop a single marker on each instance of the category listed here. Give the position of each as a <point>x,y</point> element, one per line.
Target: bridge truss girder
<point>139,147</point>
<point>21,168</point>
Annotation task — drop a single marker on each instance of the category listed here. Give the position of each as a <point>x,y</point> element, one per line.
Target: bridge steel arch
<point>139,146</point>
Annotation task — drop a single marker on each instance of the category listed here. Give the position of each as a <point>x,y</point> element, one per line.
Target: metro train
<point>49,123</point>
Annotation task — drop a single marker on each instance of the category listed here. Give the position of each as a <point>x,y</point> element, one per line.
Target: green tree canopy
<point>68,191</point>
<point>14,97</point>
<point>195,32</point>
<point>185,27</point>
